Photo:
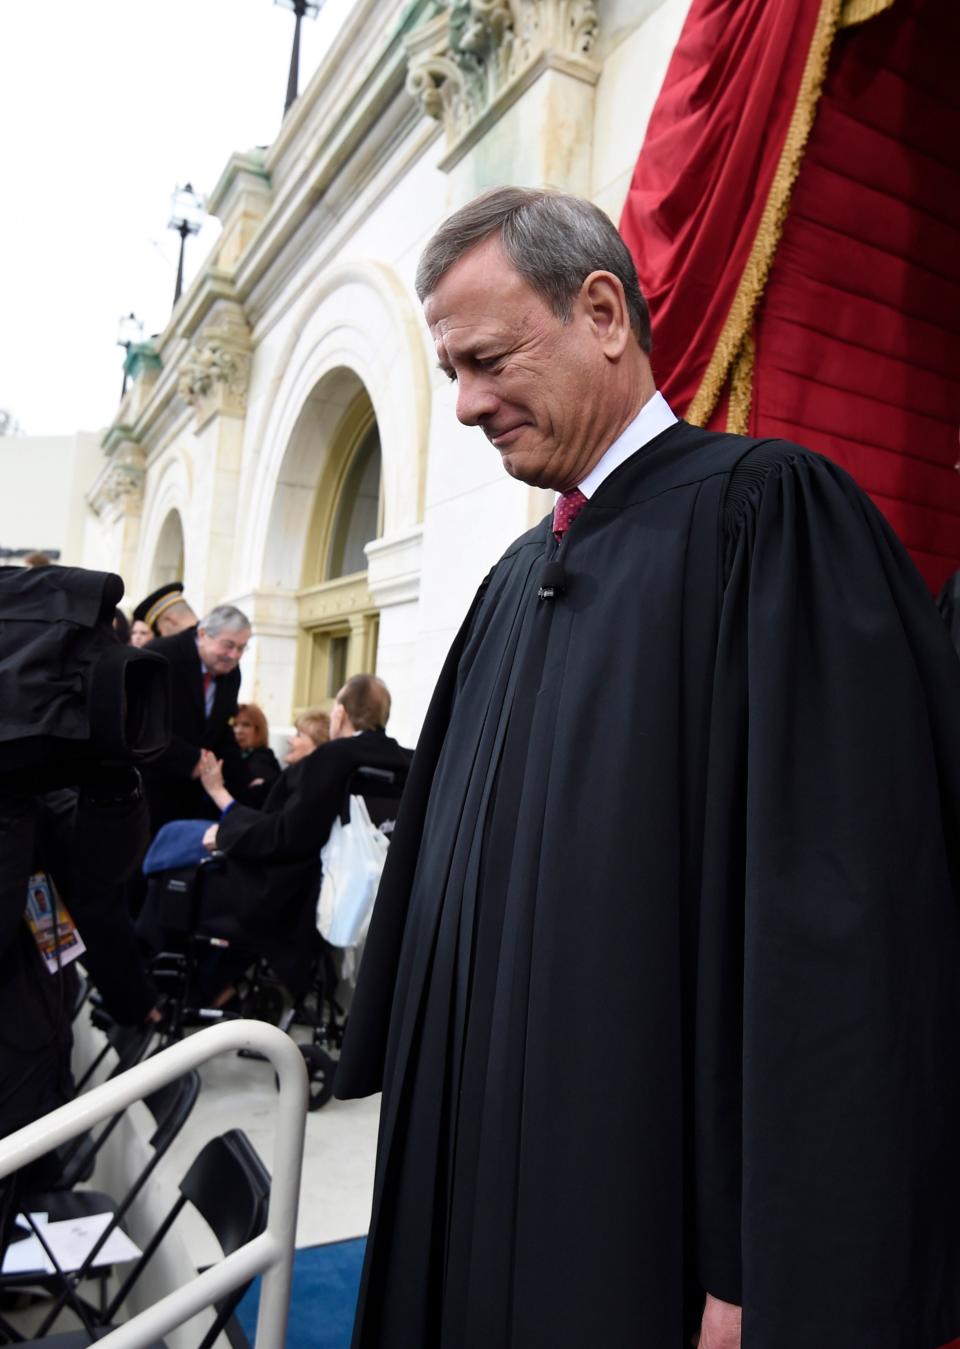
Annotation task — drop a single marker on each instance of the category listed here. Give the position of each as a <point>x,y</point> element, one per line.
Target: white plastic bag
<point>352,860</point>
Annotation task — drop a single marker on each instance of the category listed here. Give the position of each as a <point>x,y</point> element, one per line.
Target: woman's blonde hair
<point>315,724</point>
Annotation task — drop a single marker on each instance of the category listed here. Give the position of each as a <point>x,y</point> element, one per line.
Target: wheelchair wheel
<point>320,1068</point>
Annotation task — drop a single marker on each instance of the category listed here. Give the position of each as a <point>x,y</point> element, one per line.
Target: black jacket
<point>260,767</point>
<point>89,844</point>
<point>171,792</point>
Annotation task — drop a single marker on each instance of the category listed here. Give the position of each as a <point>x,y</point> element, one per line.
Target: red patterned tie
<point>568,507</point>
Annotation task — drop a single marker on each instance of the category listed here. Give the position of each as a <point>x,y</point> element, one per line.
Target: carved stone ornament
<point>215,373</point>
<point>464,57</point>
<point>120,487</point>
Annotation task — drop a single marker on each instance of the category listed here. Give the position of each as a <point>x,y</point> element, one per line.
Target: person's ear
<point>605,306</point>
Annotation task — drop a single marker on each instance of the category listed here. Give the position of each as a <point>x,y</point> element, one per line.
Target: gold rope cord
<point>757,269</point>
<point>741,387</point>
<point>858,11</point>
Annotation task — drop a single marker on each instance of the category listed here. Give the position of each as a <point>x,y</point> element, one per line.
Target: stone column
<point>393,579</point>
<point>116,497</point>
<point>267,670</point>
<point>213,379</point>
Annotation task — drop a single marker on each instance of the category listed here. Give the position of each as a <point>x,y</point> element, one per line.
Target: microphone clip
<point>553,581</point>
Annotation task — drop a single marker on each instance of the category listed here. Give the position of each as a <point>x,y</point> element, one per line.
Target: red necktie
<point>568,507</point>
<point>207,681</point>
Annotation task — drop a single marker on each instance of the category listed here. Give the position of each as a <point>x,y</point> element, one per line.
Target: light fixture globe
<point>307,9</point>
<point>187,210</point>
<point>129,330</point>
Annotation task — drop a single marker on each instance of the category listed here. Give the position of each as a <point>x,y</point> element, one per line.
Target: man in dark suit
<point>204,681</point>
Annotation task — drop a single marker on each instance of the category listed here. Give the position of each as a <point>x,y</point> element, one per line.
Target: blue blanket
<point>177,844</point>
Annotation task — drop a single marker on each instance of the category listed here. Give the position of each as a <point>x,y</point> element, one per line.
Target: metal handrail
<point>269,1254</point>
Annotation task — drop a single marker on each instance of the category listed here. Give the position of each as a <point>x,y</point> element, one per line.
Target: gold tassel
<point>741,387</point>
<point>755,273</point>
<point>858,11</point>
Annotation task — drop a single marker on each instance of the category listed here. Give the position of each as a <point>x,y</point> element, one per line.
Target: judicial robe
<point>662,986</point>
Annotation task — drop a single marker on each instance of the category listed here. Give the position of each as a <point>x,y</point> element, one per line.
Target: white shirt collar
<point>655,416</point>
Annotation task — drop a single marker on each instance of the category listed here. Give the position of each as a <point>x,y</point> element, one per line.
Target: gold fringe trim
<point>756,271</point>
<point>741,387</point>
<point>859,11</point>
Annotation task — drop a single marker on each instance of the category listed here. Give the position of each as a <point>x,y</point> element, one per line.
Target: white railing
<point>271,1253</point>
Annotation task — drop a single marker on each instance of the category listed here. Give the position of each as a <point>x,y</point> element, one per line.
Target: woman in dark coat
<point>259,761</point>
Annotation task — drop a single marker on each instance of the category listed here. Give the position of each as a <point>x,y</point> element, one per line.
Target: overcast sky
<point>106,106</point>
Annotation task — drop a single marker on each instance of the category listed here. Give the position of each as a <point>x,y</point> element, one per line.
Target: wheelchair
<point>260,994</point>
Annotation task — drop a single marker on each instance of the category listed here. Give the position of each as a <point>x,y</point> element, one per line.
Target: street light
<point>186,217</point>
<point>301,8</point>
<point>129,330</point>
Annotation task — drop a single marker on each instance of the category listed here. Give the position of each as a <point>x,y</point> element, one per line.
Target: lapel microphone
<point>553,581</point>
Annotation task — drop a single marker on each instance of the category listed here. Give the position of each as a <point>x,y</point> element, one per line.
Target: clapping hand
<point>211,772</point>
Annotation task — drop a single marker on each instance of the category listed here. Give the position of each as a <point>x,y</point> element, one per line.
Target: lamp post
<point>129,330</point>
<point>186,217</point>
<point>301,8</point>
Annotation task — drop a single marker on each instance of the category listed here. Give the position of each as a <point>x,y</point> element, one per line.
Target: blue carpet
<point>325,1284</point>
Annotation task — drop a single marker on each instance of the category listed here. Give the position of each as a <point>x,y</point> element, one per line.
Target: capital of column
<point>463,62</point>
<point>215,373</point>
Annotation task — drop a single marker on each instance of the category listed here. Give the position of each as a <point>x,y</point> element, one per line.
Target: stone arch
<point>169,557</point>
<point>356,330</point>
<point>165,515</point>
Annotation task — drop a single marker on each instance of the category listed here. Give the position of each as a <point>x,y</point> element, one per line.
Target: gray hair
<point>366,700</point>
<point>553,240</point>
<point>224,618</point>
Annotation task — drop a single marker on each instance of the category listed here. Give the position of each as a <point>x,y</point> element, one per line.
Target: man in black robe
<point>662,982</point>
<point>204,666</point>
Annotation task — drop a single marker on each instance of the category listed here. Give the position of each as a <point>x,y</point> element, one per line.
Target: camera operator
<point>77,712</point>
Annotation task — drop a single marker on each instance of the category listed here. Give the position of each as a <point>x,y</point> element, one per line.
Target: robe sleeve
<point>360,1069</point>
<point>829,941</point>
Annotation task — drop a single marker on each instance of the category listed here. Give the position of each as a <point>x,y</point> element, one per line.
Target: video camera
<point>73,700</point>
<point>78,712</point>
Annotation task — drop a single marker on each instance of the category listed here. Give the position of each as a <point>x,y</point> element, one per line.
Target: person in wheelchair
<point>262,896</point>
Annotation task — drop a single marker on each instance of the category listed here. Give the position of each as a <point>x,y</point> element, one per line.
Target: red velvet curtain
<point>856,328</point>
<point>858,332</point>
<point>705,171</point>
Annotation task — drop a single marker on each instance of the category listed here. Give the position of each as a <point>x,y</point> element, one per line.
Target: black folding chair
<point>170,1106</point>
<point>229,1187</point>
<point>130,1044</point>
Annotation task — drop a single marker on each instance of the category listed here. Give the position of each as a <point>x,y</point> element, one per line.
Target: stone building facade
<point>287,443</point>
